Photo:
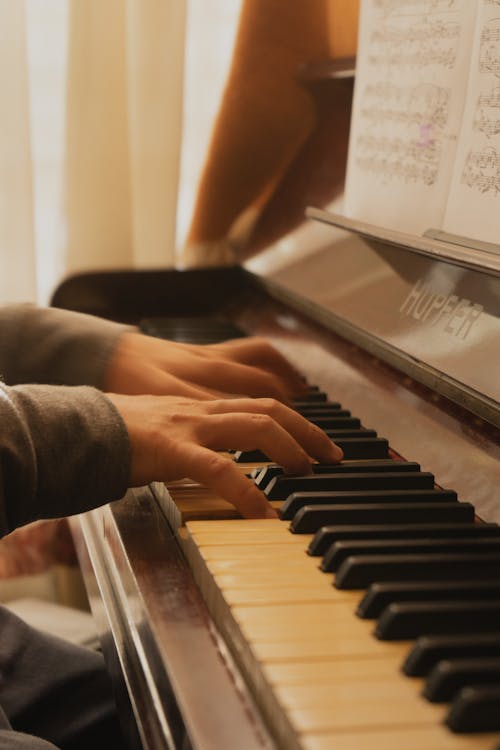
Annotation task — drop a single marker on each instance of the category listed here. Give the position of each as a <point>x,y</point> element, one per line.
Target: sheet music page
<point>474,201</point>
<point>411,78</point>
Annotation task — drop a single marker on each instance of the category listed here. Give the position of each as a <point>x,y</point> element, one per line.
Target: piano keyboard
<point>322,672</point>
<point>403,650</point>
<point>320,677</point>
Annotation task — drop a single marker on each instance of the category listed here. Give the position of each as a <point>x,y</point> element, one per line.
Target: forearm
<point>54,346</point>
<point>62,451</point>
<point>265,115</point>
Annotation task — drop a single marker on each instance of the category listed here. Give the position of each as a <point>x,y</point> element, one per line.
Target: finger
<point>253,432</point>
<point>259,353</point>
<point>156,382</point>
<point>232,377</point>
<point>222,476</point>
<point>312,439</point>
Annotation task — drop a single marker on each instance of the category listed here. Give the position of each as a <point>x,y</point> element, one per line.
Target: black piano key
<point>314,406</point>
<point>325,536</point>
<point>328,409</point>
<point>363,432</point>
<point>263,476</point>
<point>400,621</point>
<point>380,595</point>
<point>324,412</point>
<point>311,518</point>
<point>352,447</point>
<point>298,500</point>
<point>431,649</point>
<point>281,487</point>
<point>360,572</point>
<point>339,551</point>
<point>250,457</point>
<point>451,675</point>
<point>341,423</point>
<point>311,396</point>
<point>363,447</point>
<point>475,709</point>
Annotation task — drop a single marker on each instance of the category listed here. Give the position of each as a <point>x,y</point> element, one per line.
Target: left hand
<point>146,365</point>
<point>35,548</point>
<point>171,438</point>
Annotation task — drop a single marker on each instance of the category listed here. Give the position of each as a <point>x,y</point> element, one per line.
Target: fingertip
<point>336,453</point>
<point>330,453</point>
<point>299,469</point>
<point>270,513</point>
<point>263,511</point>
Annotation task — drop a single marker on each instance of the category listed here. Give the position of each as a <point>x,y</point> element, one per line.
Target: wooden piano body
<point>405,333</point>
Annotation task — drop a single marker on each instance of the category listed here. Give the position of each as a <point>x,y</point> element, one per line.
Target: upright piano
<point>368,615</point>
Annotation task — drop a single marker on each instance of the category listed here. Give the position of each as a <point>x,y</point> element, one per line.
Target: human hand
<point>174,437</point>
<point>252,367</point>
<point>36,547</point>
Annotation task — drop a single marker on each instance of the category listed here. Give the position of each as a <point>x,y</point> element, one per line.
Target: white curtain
<point>17,269</point>
<point>91,117</point>
<point>123,131</point>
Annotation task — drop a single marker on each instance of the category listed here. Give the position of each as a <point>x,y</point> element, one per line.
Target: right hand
<point>173,437</point>
<point>249,366</point>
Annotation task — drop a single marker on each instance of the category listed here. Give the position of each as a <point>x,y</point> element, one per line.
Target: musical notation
<point>481,166</point>
<point>415,6</point>
<point>402,136</point>
<point>395,35</point>
<point>489,53</point>
<point>432,43</point>
<point>407,110</point>
<point>486,118</point>
<point>409,161</point>
<point>482,171</point>
<point>491,99</point>
<point>406,123</point>
<point>425,105</point>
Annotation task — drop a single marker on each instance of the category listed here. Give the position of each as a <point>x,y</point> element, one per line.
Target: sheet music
<point>474,199</point>
<point>412,69</point>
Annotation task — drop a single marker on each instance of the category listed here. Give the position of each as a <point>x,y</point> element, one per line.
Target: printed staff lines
<point>415,7</point>
<point>482,171</point>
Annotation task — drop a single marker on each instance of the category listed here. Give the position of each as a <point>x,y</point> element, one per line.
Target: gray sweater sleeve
<point>55,347</point>
<point>63,450</point>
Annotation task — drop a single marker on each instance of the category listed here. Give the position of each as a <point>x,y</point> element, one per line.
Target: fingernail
<point>337,453</point>
<point>270,513</point>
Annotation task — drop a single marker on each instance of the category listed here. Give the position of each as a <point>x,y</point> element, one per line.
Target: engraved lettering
<point>439,300</point>
<point>456,319</point>
<point>423,304</point>
<point>473,314</point>
<point>455,314</point>
<point>448,306</point>
<point>412,298</point>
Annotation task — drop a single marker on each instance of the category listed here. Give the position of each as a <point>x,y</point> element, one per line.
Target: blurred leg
<point>55,690</point>
<point>11,740</point>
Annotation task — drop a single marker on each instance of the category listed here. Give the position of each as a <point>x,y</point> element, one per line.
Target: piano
<point>368,615</point>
